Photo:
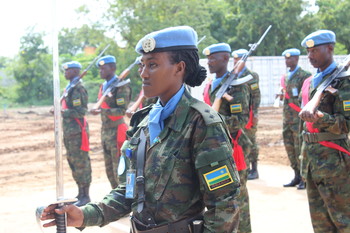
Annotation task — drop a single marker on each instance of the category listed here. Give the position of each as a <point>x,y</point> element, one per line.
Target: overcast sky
<point>17,15</point>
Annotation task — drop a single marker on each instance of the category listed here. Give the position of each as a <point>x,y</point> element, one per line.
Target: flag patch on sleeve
<point>120,101</point>
<point>346,105</point>
<point>76,102</point>
<point>218,178</point>
<point>254,86</point>
<point>235,108</point>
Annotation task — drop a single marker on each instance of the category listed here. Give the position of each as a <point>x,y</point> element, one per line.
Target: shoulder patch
<point>120,101</point>
<point>346,105</point>
<point>218,178</point>
<point>209,115</point>
<point>254,86</point>
<point>140,115</point>
<point>76,102</point>
<point>236,108</point>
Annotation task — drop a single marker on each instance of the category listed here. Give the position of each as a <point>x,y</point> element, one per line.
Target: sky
<point>18,15</point>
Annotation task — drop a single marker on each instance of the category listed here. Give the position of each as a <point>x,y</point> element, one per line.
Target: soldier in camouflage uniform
<point>252,125</point>
<point>184,146</point>
<point>291,84</point>
<point>113,131</point>
<point>236,115</point>
<point>325,140</point>
<point>75,131</point>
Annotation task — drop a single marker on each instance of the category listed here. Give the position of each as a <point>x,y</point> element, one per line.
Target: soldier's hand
<point>310,116</point>
<point>52,110</point>
<point>129,113</point>
<point>95,111</point>
<point>75,216</point>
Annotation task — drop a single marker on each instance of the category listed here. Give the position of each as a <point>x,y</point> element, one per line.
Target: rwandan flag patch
<point>76,102</point>
<point>218,178</point>
<point>346,104</point>
<point>254,86</point>
<point>120,101</point>
<point>235,108</point>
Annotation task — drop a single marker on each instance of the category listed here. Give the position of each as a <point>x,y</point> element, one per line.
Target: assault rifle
<point>234,74</point>
<point>326,85</point>
<point>75,82</point>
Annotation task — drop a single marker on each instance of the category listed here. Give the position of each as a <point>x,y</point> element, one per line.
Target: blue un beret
<point>105,60</point>
<point>216,48</point>
<point>172,38</point>
<point>319,37</point>
<point>291,52</point>
<point>239,53</point>
<point>71,64</point>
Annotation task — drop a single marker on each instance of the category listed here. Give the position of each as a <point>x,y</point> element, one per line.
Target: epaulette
<point>209,115</point>
<point>140,115</point>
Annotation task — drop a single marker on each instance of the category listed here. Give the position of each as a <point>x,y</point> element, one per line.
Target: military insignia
<point>346,105</point>
<point>120,101</point>
<point>76,102</point>
<point>148,45</point>
<point>235,108</point>
<point>65,67</point>
<point>207,52</point>
<point>287,55</point>
<point>218,178</point>
<point>101,63</point>
<point>254,86</point>
<point>310,43</point>
<point>235,55</point>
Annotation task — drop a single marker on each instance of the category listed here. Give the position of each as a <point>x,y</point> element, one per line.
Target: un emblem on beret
<point>310,43</point>
<point>148,45</point>
<point>207,52</point>
<point>287,55</point>
<point>235,55</point>
<point>101,63</point>
<point>65,67</point>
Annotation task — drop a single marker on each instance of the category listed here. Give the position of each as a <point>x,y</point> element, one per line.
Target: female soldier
<point>179,150</point>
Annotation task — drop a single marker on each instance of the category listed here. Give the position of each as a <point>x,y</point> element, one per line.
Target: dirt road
<point>27,175</point>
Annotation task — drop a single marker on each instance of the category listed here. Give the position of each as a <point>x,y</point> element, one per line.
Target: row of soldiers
<point>167,195</point>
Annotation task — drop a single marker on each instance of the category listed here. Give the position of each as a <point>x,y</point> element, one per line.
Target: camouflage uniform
<point>328,170</point>
<point>236,115</point>
<point>117,101</point>
<point>193,143</point>
<point>149,101</point>
<point>78,160</point>
<point>291,120</point>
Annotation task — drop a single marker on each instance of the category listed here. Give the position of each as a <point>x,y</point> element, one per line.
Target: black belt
<point>318,137</point>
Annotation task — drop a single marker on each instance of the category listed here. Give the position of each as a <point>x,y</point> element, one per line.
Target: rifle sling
<point>140,179</point>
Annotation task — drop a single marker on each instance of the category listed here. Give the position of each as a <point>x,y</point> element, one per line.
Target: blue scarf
<point>74,80</point>
<point>217,81</point>
<point>158,114</point>
<point>291,73</point>
<point>106,84</point>
<point>242,71</point>
<point>320,74</point>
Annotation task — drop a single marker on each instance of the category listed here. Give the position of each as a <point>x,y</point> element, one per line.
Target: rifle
<point>119,82</point>
<point>326,85</point>
<point>73,84</point>
<point>130,111</point>
<point>234,74</point>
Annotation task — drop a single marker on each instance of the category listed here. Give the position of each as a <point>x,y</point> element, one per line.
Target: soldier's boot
<point>253,173</point>
<point>84,197</point>
<point>301,185</point>
<point>295,181</point>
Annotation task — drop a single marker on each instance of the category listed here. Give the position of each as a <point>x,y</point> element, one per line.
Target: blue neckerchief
<point>242,71</point>
<point>106,84</point>
<point>319,75</point>
<point>217,81</point>
<point>74,80</point>
<point>158,114</point>
<point>291,73</point>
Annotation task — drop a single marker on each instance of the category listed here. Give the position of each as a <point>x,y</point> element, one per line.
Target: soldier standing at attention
<point>113,131</point>
<point>179,150</point>
<point>252,125</point>
<point>325,140</point>
<point>236,115</point>
<point>76,131</point>
<point>291,84</point>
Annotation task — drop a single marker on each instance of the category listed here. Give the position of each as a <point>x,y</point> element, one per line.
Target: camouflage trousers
<point>254,152</point>
<point>291,136</point>
<point>329,203</point>
<point>243,203</point>
<point>78,160</point>
<point>111,154</point>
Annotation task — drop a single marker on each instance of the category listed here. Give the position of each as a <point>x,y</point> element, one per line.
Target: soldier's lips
<point>146,84</point>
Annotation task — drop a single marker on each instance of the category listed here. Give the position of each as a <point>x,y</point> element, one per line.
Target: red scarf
<point>286,95</point>
<point>238,154</point>
<point>206,95</point>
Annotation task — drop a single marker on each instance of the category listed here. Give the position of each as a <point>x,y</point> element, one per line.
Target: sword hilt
<point>61,226</point>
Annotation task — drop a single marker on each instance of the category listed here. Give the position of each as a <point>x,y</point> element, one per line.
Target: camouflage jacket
<point>118,101</point>
<point>255,95</point>
<point>182,172</point>
<point>323,161</point>
<point>76,102</point>
<point>293,88</point>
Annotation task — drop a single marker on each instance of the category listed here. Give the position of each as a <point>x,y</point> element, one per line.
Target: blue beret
<point>291,52</point>
<point>239,53</point>
<point>172,38</point>
<point>319,37</point>
<point>71,64</point>
<point>216,48</point>
<point>105,60</point>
